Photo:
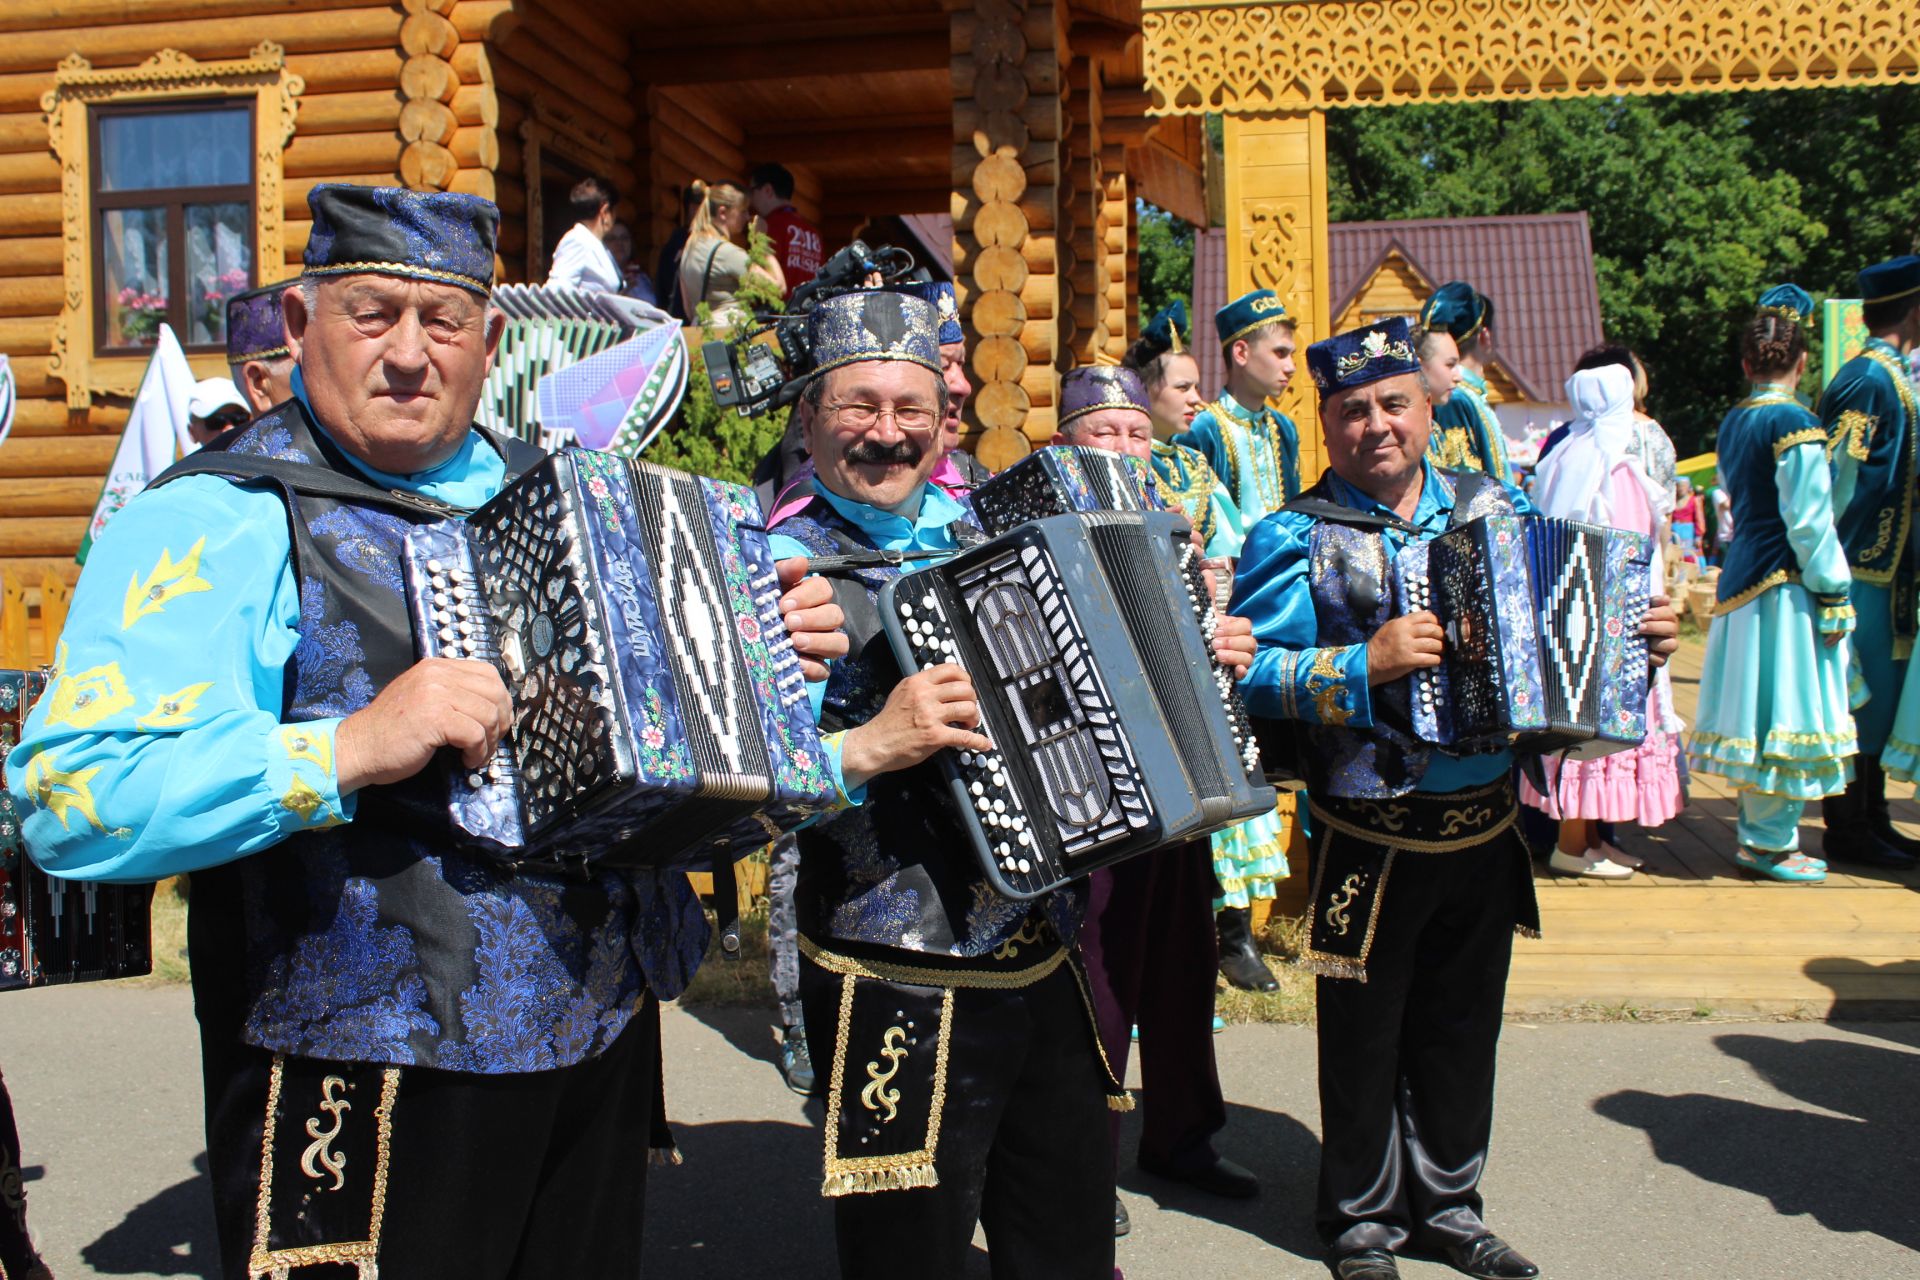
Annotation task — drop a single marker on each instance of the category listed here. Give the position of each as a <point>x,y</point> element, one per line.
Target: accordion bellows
<point>660,714</point>
<point>1115,731</point>
<point>1061,479</point>
<point>1543,646</point>
<point>56,931</point>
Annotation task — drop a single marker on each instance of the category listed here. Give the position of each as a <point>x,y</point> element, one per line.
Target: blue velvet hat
<point>422,235</point>
<point>873,324</point>
<point>255,328</point>
<point>940,294</point>
<point>1168,330</point>
<point>1886,281</point>
<point>1383,349</point>
<point>1788,300</point>
<point>1101,386</point>
<point>1248,312</point>
<point>1458,308</point>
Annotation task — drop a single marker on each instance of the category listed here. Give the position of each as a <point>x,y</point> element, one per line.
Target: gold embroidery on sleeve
<point>1853,428</point>
<point>302,800</point>
<point>1793,439</point>
<point>169,581</point>
<point>174,710</point>
<point>85,699</point>
<point>1327,685</point>
<point>303,743</point>
<point>61,791</point>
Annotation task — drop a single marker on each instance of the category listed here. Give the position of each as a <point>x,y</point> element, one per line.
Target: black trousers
<point>488,1177</point>
<point>1407,1057</point>
<point>1151,952</point>
<point>1023,1144</point>
<point>17,1257</point>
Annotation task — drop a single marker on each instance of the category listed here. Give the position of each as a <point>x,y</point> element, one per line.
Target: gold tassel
<point>660,1157</point>
<point>1122,1101</point>
<point>1527,931</point>
<point>1326,966</point>
<point>861,1182</point>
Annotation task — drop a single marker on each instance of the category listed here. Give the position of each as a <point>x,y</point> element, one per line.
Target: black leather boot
<point>1240,961</point>
<point>1880,813</point>
<point>1850,835</point>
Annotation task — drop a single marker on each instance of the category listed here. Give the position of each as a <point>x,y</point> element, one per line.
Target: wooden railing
<point>31,616</point>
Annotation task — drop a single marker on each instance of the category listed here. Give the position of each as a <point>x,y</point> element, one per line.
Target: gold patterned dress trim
<point>1778,578</point>
<point>363,1255</point>
<point>1794,439</point>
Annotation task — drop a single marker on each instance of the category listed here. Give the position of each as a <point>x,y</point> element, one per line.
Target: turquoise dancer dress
<point>1774,718</point>
<point>1467,434</point>
<point>1255,452</point>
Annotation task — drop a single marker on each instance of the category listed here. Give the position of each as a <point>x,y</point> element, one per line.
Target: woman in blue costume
<point>1774,718</point>
<point>1249,856</point>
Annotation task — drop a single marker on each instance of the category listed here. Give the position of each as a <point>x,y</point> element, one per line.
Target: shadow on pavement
<point>1852,1171</point>
<point>746,1203</point>
<point>170,1235</point>
<point>1281,1151</point>
<point>750,1028</point>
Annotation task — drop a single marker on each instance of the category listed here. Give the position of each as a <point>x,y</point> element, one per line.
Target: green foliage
<point>705,438</point>
<point>1166,260</point>
<point>1697,204</point>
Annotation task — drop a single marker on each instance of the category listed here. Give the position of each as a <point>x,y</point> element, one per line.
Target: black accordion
<point>660,713</point>
<point>55,931</point>
<point>1061,479</point>
<point>1116,733</point>
<point>1543,649</point>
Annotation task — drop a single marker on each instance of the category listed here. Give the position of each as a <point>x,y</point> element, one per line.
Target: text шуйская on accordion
<point>1543,646</point>
<point>54,931</point>
<point>1115,731</point>
<point>660,714</point>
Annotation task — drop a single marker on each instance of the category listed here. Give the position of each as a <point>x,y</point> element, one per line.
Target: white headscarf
<point>1571,483</point>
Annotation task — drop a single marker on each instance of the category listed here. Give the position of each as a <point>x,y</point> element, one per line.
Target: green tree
<point>1166,259</point>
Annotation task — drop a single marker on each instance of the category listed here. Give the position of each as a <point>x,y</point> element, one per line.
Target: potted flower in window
<point>213,301</point>
<point>140,315</point>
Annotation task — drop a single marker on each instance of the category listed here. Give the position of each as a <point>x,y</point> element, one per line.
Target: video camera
<point>754,376</point>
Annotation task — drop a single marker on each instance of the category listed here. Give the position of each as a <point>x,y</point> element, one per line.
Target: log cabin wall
<point>349,57</point>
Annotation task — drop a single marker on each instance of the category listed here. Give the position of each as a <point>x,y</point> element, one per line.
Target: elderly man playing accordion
<point>416,1061</point>
<point>1420,875</point>
<point>966,1082</point>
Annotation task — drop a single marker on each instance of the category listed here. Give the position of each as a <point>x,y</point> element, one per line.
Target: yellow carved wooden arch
<point>168,74</point>
<point>562,129</point>
<point>1259,57</point>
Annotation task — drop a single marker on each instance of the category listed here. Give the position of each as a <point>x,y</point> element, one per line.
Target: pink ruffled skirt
<point>1640,785</point>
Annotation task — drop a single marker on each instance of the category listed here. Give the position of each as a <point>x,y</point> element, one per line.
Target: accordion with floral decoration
<point>660,714</point>
<point>1543,651</point>
<point>54,931</point>
<point>1061,479</point>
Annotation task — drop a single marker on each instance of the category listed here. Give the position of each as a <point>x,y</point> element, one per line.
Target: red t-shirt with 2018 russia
<point>796,242</point>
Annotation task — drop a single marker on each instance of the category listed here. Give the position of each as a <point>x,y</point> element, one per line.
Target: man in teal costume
<point>1466,434</point>
<point>1253,449</point>
<point>1869,415</point>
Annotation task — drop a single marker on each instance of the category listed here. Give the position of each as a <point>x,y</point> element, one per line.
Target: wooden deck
<point>1693,932</point>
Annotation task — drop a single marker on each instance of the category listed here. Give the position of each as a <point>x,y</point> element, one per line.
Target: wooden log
<point>48,415</point>
<point>80,13</point>
<point>1000,267</point>
<point>1039,342</point>
<point>295,191</point>
<point>424,120</point>
<point>1040,117</point>
<point>37,213</point>
<point>524,68</point>
<point>1041,296</point>
<point>31,379</point>
<point>120,44</point>
<point>308,157</point>
<point>481,148</point>
<point>428,79</point>
<point>430,35</point>
<point>76,455</point>
<point>997,178</point>
<point>31,296</point>
<point>1001,404</point>
<point>1000,447</point>
<point>1039,381</point>
<point>41,535</point>
<point>477,104</point>
<point>23,131</point>
<point>998,313</point>
<point>347,72</point>
<point>508,192</point>
<point>999,224</point>
<point>367,111</point>
<point>603,63</point>
<point>716,133</point>
<point>583,20</point>
<point>999,360</point>
<point>28,336</point>
<point>49,495</point>
<point>29,171</point>
<point>427,166</point>
<point>513,239</point>
<point>441,7</point>
<point>482,183</point>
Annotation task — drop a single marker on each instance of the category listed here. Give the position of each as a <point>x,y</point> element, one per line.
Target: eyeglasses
<point>910,418</point>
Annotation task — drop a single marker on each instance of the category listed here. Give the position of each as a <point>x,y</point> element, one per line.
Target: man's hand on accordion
<point>1661,626</point>
<point>813,619</point>
<point>927,711</point>
<point>1233,643</point>
<point>437,702</point>
<point>1403,646</point>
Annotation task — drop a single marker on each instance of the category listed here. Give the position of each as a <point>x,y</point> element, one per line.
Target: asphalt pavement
<point>1749,1151</point>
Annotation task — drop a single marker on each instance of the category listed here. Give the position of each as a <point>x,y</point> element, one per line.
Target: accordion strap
<point>1327,509</point>
<point>306,478</point>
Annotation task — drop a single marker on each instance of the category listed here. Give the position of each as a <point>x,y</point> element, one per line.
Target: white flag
<point>157,425</point>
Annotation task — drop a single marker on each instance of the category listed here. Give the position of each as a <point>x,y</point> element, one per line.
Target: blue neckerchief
<point>1430,514</point>
<point>471,476</point>
<point>891,532</point>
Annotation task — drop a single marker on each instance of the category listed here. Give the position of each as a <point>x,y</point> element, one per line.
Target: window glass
<point>218,266</point>
<point>135,255</point>
<point>196,147</point>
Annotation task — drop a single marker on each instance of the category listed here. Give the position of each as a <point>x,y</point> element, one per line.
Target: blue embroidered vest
<point>379,940</point>
<point>895,872</point>
<point>1868,410</point>
<point>1753,436</point>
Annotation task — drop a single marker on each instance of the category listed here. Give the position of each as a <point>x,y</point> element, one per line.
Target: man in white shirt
<point>581,260</point>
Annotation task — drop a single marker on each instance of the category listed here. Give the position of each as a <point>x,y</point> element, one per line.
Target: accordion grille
<point>721,713</point>
<point>1126,553</point>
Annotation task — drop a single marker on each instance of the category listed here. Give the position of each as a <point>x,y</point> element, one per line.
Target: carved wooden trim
<point>167,74</point>
<point>567,134</point>
<point>1345,53</point>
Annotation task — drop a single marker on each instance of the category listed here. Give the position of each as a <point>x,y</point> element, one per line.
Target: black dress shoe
<point>1367,1264</point>
<point>1240,962</point>
<point>1222,1177</point>
<point>1121,1222</point>
<point>1489,1257</point>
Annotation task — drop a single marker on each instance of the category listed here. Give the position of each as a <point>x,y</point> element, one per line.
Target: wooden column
<point>1006,207</point>
<point>1122,251</point>
<point>1277,211</point>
